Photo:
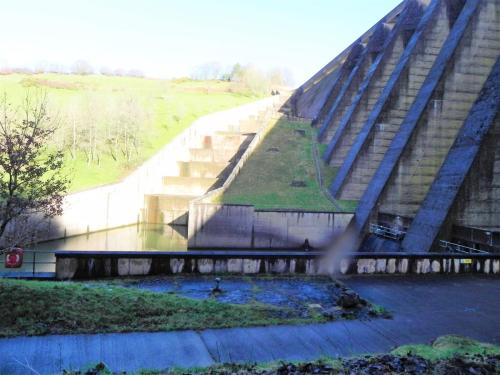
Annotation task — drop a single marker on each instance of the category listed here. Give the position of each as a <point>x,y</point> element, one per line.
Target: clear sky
<point>168,38</point>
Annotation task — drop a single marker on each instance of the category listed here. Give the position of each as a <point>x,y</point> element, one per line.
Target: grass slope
<point>284,157</point>
<point>168,107</point>
<point>41,308</point>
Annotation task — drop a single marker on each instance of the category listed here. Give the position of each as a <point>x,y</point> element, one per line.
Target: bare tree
<point>41,67</point>
<point>82,67</point>
<point>207,71</point>
<point>135,73</point>
<point>31,178</point>
<point>106,71</point>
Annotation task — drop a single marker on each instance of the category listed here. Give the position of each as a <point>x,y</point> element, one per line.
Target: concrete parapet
<point>91,264</point>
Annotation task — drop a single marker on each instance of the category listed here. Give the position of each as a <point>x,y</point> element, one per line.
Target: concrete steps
<point>201,169</point>
<point>187,186</point>
<point>167,209</point>
<point>211,155</point>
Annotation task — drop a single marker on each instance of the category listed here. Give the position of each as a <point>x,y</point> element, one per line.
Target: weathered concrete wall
<point>313,99</point>
<point>482,202</point>
<point>373,140</point>
<point>345,73</point>
<point>349,88</point>
<point>479,203</point>
<point>367,99</point>
<point>235,226</point>
<point>122,204</point>
<point>389,166</point>
<point>71,265</point>
<point>449,106</point>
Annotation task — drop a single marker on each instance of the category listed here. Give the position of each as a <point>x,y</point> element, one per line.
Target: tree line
<point>79,67</point>
<point>252,78</point>
<point>97,127</point>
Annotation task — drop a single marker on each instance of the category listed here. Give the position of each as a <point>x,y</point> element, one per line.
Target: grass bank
<point>110,125</point>
<point>282,173</point>
<point>41,308</point>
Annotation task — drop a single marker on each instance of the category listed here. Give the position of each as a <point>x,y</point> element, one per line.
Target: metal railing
<point>462,249</point>
<point>36,263</point>
<point>391,233</point>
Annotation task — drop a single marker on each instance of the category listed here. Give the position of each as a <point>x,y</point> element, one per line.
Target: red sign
<point>14,258</point>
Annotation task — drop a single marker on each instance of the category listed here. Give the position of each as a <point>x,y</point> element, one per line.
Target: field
<point>284,173</point>
<point>110,125</point>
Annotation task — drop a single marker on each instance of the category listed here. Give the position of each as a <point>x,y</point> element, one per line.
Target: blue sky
<point>168,38</point>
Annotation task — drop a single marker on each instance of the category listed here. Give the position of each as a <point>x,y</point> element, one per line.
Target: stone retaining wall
<point>78,265</point>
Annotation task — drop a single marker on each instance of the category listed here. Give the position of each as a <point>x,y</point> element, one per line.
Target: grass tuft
<point>447,347</point>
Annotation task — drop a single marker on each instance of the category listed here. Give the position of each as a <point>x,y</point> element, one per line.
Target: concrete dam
<point>409,119</point>
<point>409,114</point>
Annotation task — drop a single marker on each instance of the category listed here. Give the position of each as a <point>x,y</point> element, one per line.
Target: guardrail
<point>36,264</point>
<point>457,248</point>
<point>381,231</point>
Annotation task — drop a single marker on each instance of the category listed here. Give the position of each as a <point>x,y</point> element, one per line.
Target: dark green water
<point>130,238</point>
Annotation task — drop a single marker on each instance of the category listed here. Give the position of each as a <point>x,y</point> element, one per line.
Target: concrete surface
<point>242,226</point>
<point>424,307</point>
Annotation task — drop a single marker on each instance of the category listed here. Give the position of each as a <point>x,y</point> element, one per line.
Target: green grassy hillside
<point>110,125</point>
<point>282,173</point>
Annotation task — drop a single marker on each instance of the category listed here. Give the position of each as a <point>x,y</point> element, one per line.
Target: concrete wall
<point>371,200</point>
<point>388,113</point>
<point>238,226</point>
<point>311,96</point>
<point>478,205</point>
<point>444,116</point>
<point>92,265</point>
<point>121,204</point>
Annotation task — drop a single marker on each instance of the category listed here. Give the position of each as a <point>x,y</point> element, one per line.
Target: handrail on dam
<point>457,248</point>
<point>391,233</point>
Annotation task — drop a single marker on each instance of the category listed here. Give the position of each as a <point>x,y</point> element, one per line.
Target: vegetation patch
<point>41,308</point>
<point>282,173</point>
<point>448,346</point>
<point>165,304</point>
<point>315,298</point>
<point>479,359</point>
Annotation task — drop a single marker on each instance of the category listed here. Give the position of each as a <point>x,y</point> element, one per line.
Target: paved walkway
<point>423,308</point>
